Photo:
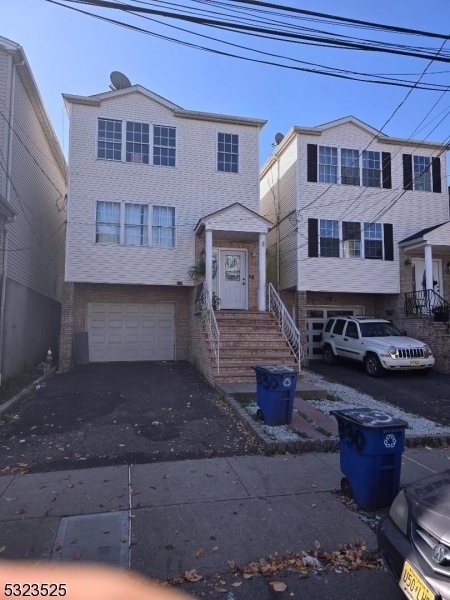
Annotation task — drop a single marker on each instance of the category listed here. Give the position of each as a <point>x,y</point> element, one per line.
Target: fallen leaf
<point>215,548</point>
<point>314,505</point>
<point>199,553</point>
<point>2,549</point>
<point>247,575</point>
<point>317,544</point>
<point>113,509</point>
<point>278,586</point>
<point>19,512</point>
<point>76,557</point>
<point>192,576</point>
<point>220,589</point>
<point>237,584</point>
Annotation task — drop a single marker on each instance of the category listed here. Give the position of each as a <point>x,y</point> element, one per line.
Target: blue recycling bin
<point>371,447</point>
<point>275,392</point>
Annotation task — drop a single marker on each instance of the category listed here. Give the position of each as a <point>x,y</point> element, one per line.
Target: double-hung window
<point>109,139</point>
<point>328,164</point>
<point>138,142</point>
<point>351,239</point>
<point>371,169</point>
<point>228,152</point>
<point>164,146</point>
<point>349,167</point>
<point>163,228</point>
<point>422,173</point>
<point>107,223</point>
<point>136,224</point>
<point>329,238</point>
<point>373,241</point>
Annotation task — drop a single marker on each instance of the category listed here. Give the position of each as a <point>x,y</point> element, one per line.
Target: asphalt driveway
<point>120,413</point>
<point>427,396</point>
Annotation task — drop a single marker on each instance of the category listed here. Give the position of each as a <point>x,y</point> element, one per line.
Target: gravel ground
<point>280,433</point>
<point>345,397</point>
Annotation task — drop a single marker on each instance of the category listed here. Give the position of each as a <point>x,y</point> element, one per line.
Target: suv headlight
<point>399,512</point>
<point>392,351</point>
<point>426,351</point>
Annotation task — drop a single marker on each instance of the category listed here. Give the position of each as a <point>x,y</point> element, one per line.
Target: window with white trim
<point>136,225</point>
<point>107,223</point>
<point>328,164</point>
<point>373,241</point>
<point>109,139</point>
<point>164,146</point>
<point>163,226</point>
<point>371,169</point>
<point>329,238</point>
<point>350,167</point>
<point>228,152</point>
<point>422,173</point>
<point>137,142</point>
<point>351,239</point>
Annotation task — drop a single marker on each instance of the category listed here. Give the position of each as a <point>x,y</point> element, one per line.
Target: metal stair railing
<point>427,303</point>
<point>204,301</point>
<point>288,328</point>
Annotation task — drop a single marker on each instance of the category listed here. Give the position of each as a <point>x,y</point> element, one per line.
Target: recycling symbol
<point>286,381</point>
<point>390,440</point>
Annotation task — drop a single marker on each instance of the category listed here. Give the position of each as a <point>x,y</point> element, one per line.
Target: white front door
<point>419,275</point>
<point>233,279</point>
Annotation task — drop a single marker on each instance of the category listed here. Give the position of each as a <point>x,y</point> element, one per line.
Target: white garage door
<point>127,332</point>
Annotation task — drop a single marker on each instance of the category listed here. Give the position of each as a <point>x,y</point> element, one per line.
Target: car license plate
<point>413,585</point>
<point>414,363</point>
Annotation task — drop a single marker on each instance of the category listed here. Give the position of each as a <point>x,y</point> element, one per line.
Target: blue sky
<point>73,53</point>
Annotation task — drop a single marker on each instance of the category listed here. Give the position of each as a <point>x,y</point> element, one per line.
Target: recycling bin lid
<point>368,417</point>
<point>275,369</point>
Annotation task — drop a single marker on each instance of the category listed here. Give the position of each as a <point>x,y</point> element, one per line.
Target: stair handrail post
<point>287,326</point>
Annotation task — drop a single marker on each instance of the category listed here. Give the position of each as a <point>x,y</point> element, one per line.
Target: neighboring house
<point>32,218</point>
<point>153,191</point>
<point>361,219</point>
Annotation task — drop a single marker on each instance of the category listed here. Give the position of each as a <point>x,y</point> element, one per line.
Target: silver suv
<point>377,343</point>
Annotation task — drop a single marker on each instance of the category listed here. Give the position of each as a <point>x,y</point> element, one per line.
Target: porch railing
<point>427,303</point>
<point>288,328</point>
<point>204,302</point>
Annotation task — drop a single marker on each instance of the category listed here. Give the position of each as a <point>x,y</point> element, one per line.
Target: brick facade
<point>77,296</point>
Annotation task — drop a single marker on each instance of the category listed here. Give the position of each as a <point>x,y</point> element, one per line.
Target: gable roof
<point>24,71</point>
<point>247,212</point>
<point>97,99</point>
<point>420,234</point>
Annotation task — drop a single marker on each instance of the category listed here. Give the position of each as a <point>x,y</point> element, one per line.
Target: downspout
<point>278,216</point>
<point>8,221</point>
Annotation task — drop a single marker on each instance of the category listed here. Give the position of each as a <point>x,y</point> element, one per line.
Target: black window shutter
<point>388,241</point>
<point>436,170</point>
<point>386,166</point>
<point>313,238</point>
<point>407,172</point>
<point>312,162</point>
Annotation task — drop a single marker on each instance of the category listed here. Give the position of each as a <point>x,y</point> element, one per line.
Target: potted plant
<point>198,270</point>
<point>215,301</point>
<point>441,313</point>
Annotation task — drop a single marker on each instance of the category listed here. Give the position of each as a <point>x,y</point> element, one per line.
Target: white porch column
<point>428,267</point>
<point>208,260</point>
<point>262,272</point>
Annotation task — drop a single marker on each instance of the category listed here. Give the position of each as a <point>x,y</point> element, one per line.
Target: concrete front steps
<point>247,339</point>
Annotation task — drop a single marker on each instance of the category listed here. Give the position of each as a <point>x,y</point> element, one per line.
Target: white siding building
<point>342,198</point>
<point>151,186</point>
<point>32,218</point>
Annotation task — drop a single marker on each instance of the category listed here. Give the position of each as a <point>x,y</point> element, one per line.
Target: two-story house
<point>155,192</point>
<point>361,226</point>
<point>32,218</point>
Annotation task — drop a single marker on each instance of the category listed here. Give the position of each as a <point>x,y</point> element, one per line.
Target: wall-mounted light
<point>203,253</point>
<point>408,262</point>
<point>254,254</point>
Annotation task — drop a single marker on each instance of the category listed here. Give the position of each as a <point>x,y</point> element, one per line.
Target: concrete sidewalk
<point>158,517</point>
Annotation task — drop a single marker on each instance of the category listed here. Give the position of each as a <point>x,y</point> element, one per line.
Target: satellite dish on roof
<point>119,81</point>
<point>279,138</point>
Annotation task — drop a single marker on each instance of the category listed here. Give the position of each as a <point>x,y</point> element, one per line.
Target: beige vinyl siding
<point>5,74</point>
<point>234,219</point>
<point>412,212</point>
<point>278,197</point>
<point>439,237</point>
<point>37,234</point>
<point>194,187</point>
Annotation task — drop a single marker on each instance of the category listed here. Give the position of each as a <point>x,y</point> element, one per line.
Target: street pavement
<point>427,396</point>
<point>165,518</point>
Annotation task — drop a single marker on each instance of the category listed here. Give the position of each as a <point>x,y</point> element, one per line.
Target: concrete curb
<point>22,394</point>
<point>330,444</point>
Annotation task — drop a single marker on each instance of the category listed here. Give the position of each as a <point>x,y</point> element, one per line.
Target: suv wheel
<point>328,355</point>
<point>373,365</point>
